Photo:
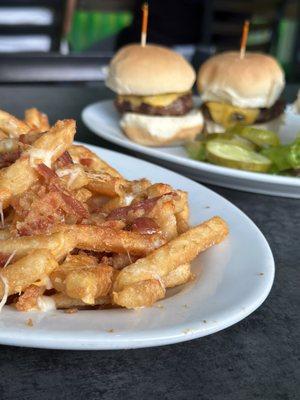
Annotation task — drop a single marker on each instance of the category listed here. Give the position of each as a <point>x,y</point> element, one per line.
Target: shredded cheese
<point>37,156</point>
<point>45,303</point>
<point>72,172</point>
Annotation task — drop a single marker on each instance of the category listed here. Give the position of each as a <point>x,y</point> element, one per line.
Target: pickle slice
<point>234,139</point>
<point>260,137</point>
<point>233,156</point>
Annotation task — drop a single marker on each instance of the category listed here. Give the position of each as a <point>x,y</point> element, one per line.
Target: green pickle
<point>196,150</point>
<point>284,157</point>
<point>260,137</point>
<point>234,156</point>
<point>233,139</point>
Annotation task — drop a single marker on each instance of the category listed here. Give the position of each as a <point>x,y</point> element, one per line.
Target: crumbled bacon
<point>64,160</point>
<point>3,259</point>
<point>8,158</point>
<point>87,162</point>
<point>42,207</point>
<point>30,138</point>
<point>140,208</point>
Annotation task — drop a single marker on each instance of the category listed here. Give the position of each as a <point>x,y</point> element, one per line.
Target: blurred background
<point>70,41</point>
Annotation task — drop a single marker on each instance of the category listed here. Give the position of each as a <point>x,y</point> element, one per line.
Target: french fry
<point>182,214</point>
<point>12,126</point>
<point>37,120</point>
<point>177,276</point>
<point>19,176</point>
<point>89,237</point>
<point>81,277</point>
<point>181,250</point>
<point>3,135</point>
<point>82,155</point>
<point>73,176</point>
<point>140,294</point>
<point>164,215</point>
<point>27,270</point>
<point>59,243</point>
<point>105,184</point>
<point>28,300</point>
<point>63,301</point>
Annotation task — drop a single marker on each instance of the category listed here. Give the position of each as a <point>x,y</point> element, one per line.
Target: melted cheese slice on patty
<point>161,100</point>
<point>228,115</point>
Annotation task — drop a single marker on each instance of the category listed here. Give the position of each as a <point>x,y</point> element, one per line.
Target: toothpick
<point>244,39</point>
<point>144,24</point>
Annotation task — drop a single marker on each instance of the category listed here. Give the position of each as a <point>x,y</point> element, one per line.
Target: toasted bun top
<point>149,70</point>
<point>257,80</point>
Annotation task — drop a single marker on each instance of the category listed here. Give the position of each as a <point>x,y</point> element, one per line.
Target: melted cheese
<point>161,100</point>
<point>73,174</point>
<point>45,303</point>
<point>38,156</point>
<point>224,114</point>
<point>6,291</point>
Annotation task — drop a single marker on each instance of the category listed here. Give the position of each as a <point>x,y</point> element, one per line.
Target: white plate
<point>103,120</point>
<point>232,280</point>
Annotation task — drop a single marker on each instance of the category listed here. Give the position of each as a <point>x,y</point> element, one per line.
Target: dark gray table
<point>257,358</point>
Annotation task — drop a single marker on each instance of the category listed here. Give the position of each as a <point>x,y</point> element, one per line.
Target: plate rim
<point>105,342</point>
<point>198,165</point>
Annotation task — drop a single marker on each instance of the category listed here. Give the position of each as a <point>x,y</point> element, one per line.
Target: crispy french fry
<point>177,276</point>
<point>105,184</point>
<point>63,301</point>
<point>82,195</point>
<point>180,250</point>
<point>12,126</point>
<point>140,294</point>
<point>19,176</point>
<point>164,215</point>
<point>28,300</point>
<point>59,243</point>
<point>81,277</point>
<point>3,135</point>
<point>96,238</point>
<point>84,156</point>
<point>27,270</point>
<point>37,120</point>
<point>182,212</point>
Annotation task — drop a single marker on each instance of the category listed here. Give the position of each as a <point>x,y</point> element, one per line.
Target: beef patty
<point>265,114</point>
<point>181,106</point>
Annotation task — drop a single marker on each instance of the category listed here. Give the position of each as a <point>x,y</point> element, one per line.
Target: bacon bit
<point>29,322</point>
<point>87,162</point>
<point>145,206</point>
<point>30,138</point>
<point>46,172</point>
<point>64,160</point>
<point>77,207</point>
<point>144,225</point>
<point>6,159</point>
<point>3,259</point>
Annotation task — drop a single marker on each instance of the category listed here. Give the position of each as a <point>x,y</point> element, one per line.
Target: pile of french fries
<point>76,234</point>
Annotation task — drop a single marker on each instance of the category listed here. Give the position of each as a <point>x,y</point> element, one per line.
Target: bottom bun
<point>273,125</point>
<point>162,130</point>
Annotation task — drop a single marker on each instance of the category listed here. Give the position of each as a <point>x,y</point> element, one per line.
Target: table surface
<point>257,358</point>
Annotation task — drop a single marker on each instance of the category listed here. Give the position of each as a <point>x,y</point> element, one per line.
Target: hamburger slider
<point>153,86</point>
<point>244,91</point>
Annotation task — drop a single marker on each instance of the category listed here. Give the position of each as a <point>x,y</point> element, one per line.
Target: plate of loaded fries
<point>100,250</point>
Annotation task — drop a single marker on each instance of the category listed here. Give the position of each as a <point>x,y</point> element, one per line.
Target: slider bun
<point>255,81</point>
<point>161,131</point>
<point>149,70</point>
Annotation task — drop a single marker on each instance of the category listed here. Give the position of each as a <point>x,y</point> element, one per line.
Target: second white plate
<point>103,120</point>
